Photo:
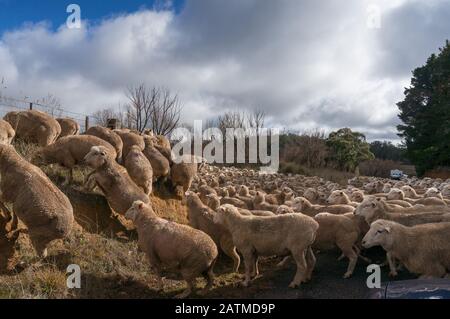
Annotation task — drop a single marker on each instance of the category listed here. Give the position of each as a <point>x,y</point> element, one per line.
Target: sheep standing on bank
<point>422,249</point>
<point>68,127</point>
<point>128,140</point>
<point>7,133</point>
<point>160,164</point>
<point>39,204</point>
<point>174,247</point>
<point>139,169</point>
<point>183,172</point>
<point>70,151</point>
<point>34,126</point>
<point>109,136</point>
<point>113,180</point>
<point>279,235</point>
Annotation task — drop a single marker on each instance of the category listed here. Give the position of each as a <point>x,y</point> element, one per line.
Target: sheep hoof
<point>347,275</point>
<point>183,295</point>
<point>294,285</point>
<point>393,274</point>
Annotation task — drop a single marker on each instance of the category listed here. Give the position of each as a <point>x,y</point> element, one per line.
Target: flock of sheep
<point>237,212</point>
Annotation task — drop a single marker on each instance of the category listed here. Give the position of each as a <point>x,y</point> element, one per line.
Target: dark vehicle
<point>413,289</point>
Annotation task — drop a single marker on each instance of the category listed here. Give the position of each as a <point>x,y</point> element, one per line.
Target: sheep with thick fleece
<point>7,133</point>
<point>128,140</point>
<point>37,202</point>
<point>183,172</point>
<point>373,209</point>
<point>160,164</point>
<point>422,249</point>
<point>174,247</point>
<point>113,180</point>
<point>218,233</point>
<point>109,136</point>
<point>34,126</point>
<point>279,235</point>
<point>301,204</point>
<point>339,197</point>
<point>259,203</point>
<point>68,127</point>
<point>70,151</point>
<point>139,169</point>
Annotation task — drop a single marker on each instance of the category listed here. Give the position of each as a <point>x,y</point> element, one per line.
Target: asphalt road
<point>327,281</point>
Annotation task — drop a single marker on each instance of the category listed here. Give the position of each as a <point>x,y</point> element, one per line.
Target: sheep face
<point>96,157</point>
<point>395,193</point>
<point>367,208</point>
<point>408,191</point>
<point>357,196</point>
<point>386,188</point>
<point>283,209</point>
<point>336,197</point>
<point>134,210</point>
<point>433,192</point>
<point>310,194</point>
<point>379,234</point>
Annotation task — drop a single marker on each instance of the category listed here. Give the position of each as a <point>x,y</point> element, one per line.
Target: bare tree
<point>51,104</point>
<point>256,119</point>
<point>156,108</point>
<point>101,117</point>
<point>165,115</point>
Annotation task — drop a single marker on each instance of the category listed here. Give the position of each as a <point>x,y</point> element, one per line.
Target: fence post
<point>86,123</point>
<point>31,105</point>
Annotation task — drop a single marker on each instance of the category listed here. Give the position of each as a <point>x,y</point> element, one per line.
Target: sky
<point>308,64</point>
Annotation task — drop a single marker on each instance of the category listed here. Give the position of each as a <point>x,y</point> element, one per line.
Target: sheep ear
<point>387,229</point>
<point>373,205</point>
<point>102,153</point>
<point>140,205</point>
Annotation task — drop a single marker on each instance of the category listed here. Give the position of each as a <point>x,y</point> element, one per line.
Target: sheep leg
<point>229,249</point>
<point>209,276</point>
<point>310,263</point>
<point>248,263</point>
<point>188,291</point>
<point>300,260</point>
<point>255,269</point>
<point>392,268</point>
<point>284,262</point>
<point>353,258</point>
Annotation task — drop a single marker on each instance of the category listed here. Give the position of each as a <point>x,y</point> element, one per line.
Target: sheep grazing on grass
<point>70,151</point>
<point>109,136</point>
<point>301,204</point>
<point>9,233</point>
<point>7,133</point>
<point>113,180</point>
<point>199,216</point>
<point>422,249</point>
<point>280,235</point>
<point>39,204</point>
<point>174,247</point>
<point>34,126</point>
<point>68,127</point>
<point>373,209</point>
<point>139,169</point>
<point>160,164</point>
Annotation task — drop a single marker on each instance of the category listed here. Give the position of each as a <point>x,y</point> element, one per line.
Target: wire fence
<point>8,104</point>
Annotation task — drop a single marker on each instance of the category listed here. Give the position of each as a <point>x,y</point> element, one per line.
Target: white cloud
<point>308,64</point>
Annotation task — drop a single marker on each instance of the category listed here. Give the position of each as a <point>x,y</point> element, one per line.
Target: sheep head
<point>337,197</point>
<point>368,208</point>
<point>395,193</point>
<point>97,157</point>
<point>379,234</point>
